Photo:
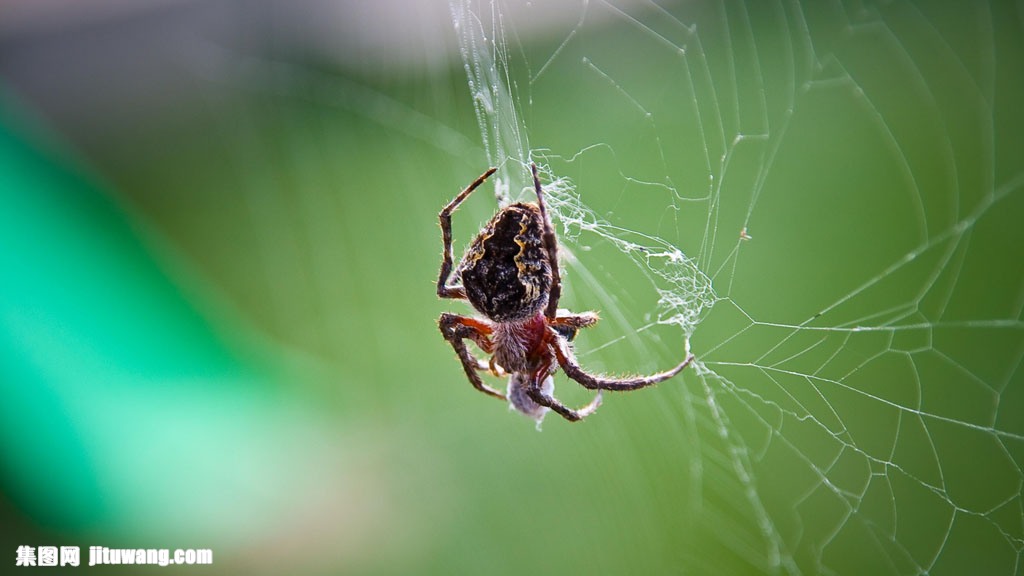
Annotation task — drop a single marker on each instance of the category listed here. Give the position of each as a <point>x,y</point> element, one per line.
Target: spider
<point>510,275</point>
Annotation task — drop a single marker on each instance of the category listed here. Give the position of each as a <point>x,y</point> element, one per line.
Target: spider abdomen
<point>505,271</point>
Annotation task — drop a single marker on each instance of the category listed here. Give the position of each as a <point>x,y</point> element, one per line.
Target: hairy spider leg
<point>538,396</point>
<point>567,325</point>
<point>551,244</point>
<point>457,328</point>
<point>536,393</point>
<point>572,369</point>
<point>447,261</point>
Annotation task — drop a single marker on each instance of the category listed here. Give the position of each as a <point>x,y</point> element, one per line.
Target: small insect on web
<point>510,274</point>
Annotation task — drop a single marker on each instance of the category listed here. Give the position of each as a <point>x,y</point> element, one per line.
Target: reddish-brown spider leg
<point>551,244</point>
<point>572,369</point>
<point>447,260</point>
<point>455,330</point>
<point>537,395</point>
<point>567,325</point>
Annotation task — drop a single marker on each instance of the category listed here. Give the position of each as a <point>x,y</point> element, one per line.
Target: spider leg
<point>443,289</point>
<point>536,393</point>
<point>581,320</point>
<point>567,325</point>
<point>551,244</point>
<point>492,367</point>
<point>455,330</point>
<point>538,396</point>
<point>572,369</point>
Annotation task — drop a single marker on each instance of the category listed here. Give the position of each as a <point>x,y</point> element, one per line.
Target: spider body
<point>510,275</point>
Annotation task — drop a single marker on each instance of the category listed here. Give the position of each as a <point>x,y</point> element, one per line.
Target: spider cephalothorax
<point>510,275</point>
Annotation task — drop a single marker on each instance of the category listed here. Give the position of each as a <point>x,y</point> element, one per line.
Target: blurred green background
<point>218,245</point>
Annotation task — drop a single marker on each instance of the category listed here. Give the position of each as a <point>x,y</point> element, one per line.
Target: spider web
<point>822,201</point>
